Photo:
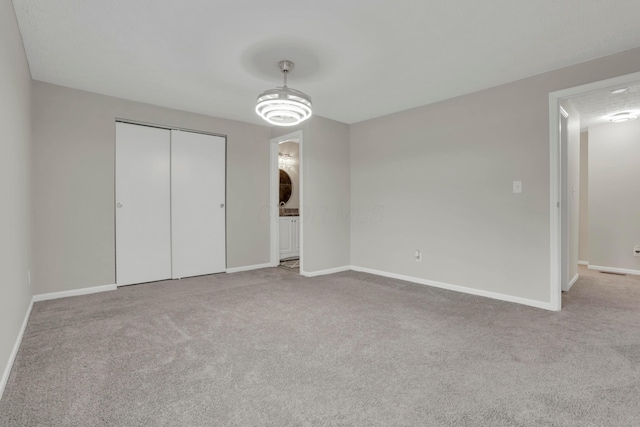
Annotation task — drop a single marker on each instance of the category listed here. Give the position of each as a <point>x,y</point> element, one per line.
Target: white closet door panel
<point>143,204</point>
<point>197,204</point>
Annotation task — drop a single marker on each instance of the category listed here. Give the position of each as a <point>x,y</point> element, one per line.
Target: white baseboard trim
<point>614,270</point>
<point>250,267</point>
<point>572,282</point>
<point>494,295</point>
<point>583,262</point>
<point>327,271</point>
<point>74,292</point>
<point>14,352</point>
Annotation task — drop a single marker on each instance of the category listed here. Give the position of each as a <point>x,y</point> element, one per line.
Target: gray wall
<point>15,87</point>
<point>73,183</point>
<point>293,148</point>
<point>583,251</point>
<point>614,195</point>
<point>326,193</point>
<point>439,178</point>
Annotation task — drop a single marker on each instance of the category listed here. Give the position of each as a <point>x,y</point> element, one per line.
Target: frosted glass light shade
<point>284,106</point>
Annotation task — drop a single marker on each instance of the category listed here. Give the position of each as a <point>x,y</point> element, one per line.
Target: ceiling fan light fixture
<point>284,106</point>
<point>622,117</point>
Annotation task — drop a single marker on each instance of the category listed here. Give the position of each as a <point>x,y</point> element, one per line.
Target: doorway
<point>287,212</point>
<point>559,224</point>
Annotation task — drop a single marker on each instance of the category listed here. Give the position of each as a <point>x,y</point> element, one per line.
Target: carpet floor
<point>272,348</point>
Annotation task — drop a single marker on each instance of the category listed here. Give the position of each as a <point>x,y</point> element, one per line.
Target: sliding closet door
<point>143,203</point>
<point>197,203</point>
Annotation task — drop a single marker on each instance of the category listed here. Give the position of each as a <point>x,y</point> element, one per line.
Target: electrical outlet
<point>418,255</point>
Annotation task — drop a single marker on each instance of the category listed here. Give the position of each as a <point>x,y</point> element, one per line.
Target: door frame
<point>274,210</point>
<point>565,207</point>
<point>556,169</point>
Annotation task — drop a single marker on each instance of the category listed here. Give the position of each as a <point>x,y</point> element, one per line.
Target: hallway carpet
<point>272,348</point>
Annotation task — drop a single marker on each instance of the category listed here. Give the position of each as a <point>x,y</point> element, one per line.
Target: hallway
<point>597,291</point>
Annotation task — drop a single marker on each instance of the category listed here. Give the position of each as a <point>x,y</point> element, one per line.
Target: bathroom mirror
<point>286,187</point>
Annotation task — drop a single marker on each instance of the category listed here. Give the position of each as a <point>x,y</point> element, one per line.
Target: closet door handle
<point>119,205</point>
<point>222,205</point>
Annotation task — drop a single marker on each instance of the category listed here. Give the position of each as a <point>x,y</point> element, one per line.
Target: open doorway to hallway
<point>601,291</point>
<point>595,180</point>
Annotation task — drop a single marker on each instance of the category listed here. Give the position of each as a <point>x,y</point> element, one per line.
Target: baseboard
<point>74,292</point>
<point>614,270</point>
<point>250,267</point>
<point>583,262</point>
<point>327,271</point>
<point>572,282</point>
<point>14,352</point>
<point>457,288</point>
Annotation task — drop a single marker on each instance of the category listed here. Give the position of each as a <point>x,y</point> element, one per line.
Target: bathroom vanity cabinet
<point>289,236</point>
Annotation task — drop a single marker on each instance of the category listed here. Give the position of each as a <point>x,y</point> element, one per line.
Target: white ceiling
<point>357,59</point>
<point>595,107</point>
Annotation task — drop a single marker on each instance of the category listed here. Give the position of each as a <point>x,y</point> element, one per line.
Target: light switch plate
<point>517,187</point>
